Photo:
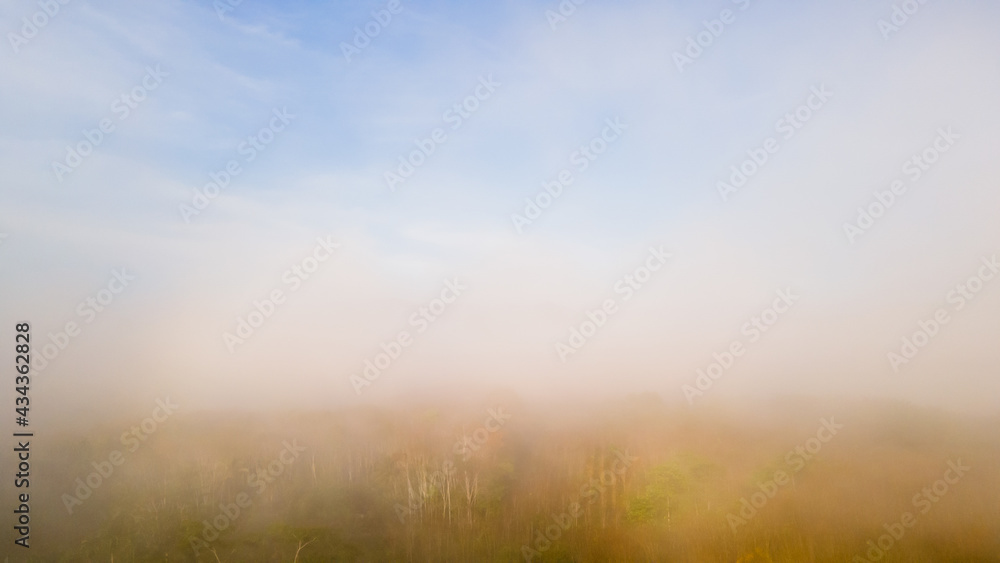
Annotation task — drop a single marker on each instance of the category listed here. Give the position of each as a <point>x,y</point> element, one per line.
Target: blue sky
<point>324,174</point>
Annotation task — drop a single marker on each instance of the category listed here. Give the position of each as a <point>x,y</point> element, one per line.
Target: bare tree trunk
<point>444,496</point>
<point>425,492</point>
<point>614,502</point>
<point>410,493</point>
<point>471,490</point>
<point>447,488</point>
<point>603,494</point>
<point>301,545</point>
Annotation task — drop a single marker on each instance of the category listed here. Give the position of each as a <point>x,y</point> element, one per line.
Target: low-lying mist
<point>502,478</point>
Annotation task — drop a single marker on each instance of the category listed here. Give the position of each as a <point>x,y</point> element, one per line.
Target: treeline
<point>631,480</point>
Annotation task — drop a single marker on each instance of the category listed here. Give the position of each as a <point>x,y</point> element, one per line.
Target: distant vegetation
<point>635,480</point>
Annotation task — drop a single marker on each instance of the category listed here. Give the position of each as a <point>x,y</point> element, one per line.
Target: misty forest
<point>791,480</point>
